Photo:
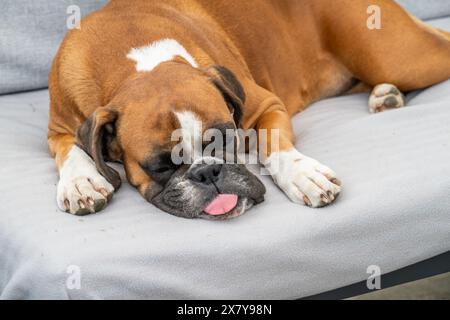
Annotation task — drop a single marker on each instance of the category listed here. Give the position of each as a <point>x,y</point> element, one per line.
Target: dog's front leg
<point>81,188</point>
<point>303,179</point>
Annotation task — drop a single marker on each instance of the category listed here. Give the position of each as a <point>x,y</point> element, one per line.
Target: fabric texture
<point>427,9</point>
<point>393,212</point>
<point>30,33</point>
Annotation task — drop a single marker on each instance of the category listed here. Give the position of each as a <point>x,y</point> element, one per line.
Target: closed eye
<point>160,167</point>
<point>231,108</point>
<point>162,174</point>
<point>162,170</point>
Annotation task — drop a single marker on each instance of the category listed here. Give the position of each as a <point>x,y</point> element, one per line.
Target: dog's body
<point>139,69</point>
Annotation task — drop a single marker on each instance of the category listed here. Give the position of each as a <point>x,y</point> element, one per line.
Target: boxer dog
<point>137,70</point>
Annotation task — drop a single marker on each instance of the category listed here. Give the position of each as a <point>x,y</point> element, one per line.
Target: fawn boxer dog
<point>137,70</point>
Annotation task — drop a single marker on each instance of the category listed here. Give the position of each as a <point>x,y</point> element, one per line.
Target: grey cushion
<point>394,211</point>
<point>427,9</point>
<point>31,31</point>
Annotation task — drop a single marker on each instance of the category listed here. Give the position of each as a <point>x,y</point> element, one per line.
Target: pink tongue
<point>222,204</point>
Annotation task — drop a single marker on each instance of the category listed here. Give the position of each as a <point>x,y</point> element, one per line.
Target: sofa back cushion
<point>427,9</point>
<point>30,33</point>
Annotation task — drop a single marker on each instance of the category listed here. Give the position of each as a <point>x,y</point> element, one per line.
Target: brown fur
<point>285,53</point>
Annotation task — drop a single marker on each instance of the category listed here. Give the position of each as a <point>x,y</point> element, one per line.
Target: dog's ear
<point>231,89</point>
<point>94,135</point>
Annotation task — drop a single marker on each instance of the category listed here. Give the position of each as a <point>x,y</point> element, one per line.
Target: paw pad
<point>384,97</point>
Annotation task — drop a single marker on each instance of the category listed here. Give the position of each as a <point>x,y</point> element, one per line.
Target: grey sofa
<point>393,212</point>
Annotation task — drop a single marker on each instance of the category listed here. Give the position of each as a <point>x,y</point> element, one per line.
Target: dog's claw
<point>307,201</point>
<point>336,181</point>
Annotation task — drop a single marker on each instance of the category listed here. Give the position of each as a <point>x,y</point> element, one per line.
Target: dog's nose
<point>206,173</point>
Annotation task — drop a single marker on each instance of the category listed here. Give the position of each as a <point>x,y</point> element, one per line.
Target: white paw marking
<point>149,57</point>
<point>303,179</point>
<point>385,96</point>
<point>81,188</point>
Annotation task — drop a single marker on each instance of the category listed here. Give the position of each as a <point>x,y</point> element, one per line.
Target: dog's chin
<point>237,190</point>
<point>241,207</point>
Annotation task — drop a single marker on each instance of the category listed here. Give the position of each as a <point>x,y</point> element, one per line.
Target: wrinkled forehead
<point>192,133</point>
<point>193,128</point>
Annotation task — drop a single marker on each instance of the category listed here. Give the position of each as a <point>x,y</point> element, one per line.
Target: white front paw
<point>303,179</point>
<point>83,195</point>
<point>81,188</point>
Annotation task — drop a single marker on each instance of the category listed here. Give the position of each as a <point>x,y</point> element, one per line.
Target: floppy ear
<point>92,136</point>
<point>231,89</point>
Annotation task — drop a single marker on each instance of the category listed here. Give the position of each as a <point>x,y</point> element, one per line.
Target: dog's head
<point>137,127</point>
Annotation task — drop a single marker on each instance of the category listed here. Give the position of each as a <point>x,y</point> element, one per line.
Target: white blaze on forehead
<point>191,127</point>
<point>150,56</point>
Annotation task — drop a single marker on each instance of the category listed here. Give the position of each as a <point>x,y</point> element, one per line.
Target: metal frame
<point>424,269</point>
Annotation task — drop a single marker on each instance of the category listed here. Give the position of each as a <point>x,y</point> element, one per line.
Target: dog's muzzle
<point>211,191</point>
